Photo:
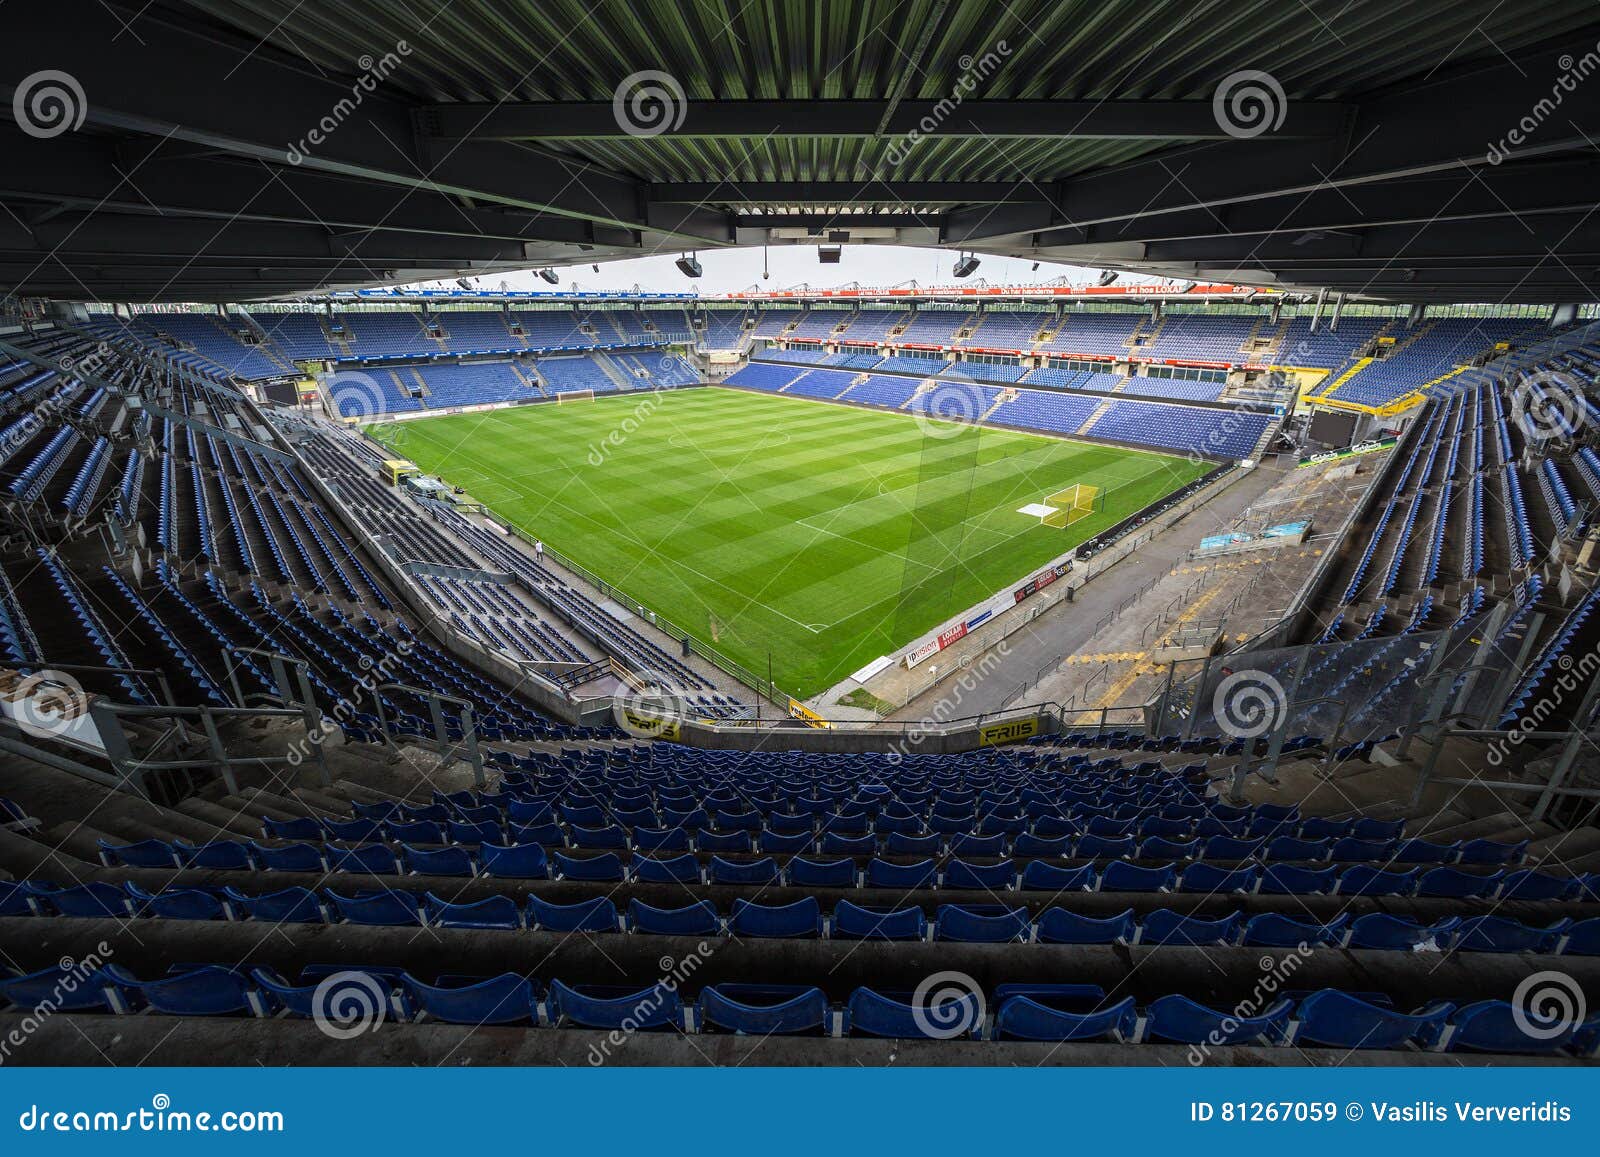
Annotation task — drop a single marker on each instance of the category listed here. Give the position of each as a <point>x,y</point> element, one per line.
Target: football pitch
<point>820,535</point>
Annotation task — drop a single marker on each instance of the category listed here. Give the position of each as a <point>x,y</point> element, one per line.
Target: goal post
<point>564,396</point>
<point>1076,502</point>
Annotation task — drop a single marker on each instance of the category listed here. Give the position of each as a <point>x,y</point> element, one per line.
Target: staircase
<point>786,388</point>
<point>1099,412</point>
<point>1133,344</point>
<point>526,375</point>
<point>339,343</point>
<point>609,368</point>
<point>922,388</point>
<point>1355,368</point>
<point>520,339</point>
<point>1005,396</point>
<point>615,326</point>
<point>263,343</point>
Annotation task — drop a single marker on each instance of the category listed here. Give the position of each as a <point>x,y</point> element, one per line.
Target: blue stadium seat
<point>491,912</point>
<point>1501,934</point>
<point>227,855</point>
<point>451,861</point>
<point>1339,1020</point>
<point>1365,880</point>
<point>607,1007</point>
<point>369,859</point>
<point>1381,930</point>
<point>855,922</point>
<point>682,869</point>
<point>94,900</point>
<point>886,1014</point>
<point>504,999</point>
<point>808,873</point>
<point>1582,938</point>
<point>177,903</point>
<point>1059,926</point>
<point>981,923</point>
<point>1061,1013</point>
<point>1456,884</point>
<point>382,908</point>
<point>801,919</point>
<point>605,868</point>
<point>1529,884</point>
<point>1124,877</point>
<point>1177,1018</point>
<point>1210,879</point>
<point>66,989</point>
<point>1039,876</point>
<point>343,993</point>
<point>204,991</point>
<point>1496,1026</point>
<point>1167,927</point>
<point>697,919</point>
<point>905,877</point>
<point>763,1010</point>
<point>289,857</point>
<point>998,877</point>
<point>756,873</point>
<point>1275,930</point>
<point>14,900</point>
<point>1491,852</point>
<point>144,854</point>
<point>597,914</point>
<point>1289,880</point>
<point>289,906</point>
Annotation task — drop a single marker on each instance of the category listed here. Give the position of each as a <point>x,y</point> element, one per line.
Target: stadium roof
<point>231,149</point>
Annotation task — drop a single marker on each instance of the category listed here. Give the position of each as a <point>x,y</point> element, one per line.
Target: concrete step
<point>1485,827</point>
<point>76,839</point>
<point>1563,846</point>
<point>221,821</point>
<point>264,805</point>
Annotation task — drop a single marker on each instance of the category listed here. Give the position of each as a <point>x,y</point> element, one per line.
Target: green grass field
<point>825,535</point>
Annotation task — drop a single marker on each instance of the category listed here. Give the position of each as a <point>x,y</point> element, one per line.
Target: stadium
<point>1166,639</point>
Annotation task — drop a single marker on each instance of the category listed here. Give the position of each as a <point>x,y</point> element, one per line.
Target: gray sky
<point>732,270</point>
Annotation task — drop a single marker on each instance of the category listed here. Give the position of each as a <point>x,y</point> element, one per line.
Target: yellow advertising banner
<point>1010,731</point>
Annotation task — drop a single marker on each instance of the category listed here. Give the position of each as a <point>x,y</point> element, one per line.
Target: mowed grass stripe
<point>823,534</point>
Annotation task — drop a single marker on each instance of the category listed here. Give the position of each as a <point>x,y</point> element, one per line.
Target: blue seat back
<point>597,914</point>
<point>382,908</point>
<point>803,918</point>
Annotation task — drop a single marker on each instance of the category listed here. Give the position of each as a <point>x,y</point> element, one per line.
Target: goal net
<point>1076,502</point>
<point>563,396</point>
